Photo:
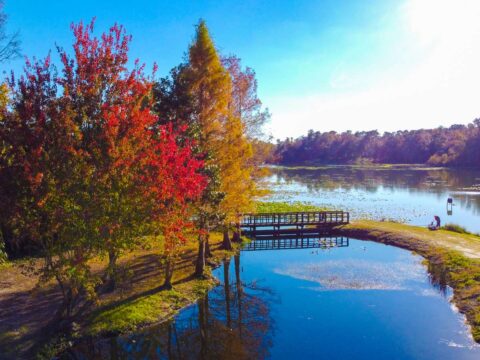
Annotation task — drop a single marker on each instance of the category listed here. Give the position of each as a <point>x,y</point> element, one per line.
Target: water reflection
<point>295,242</point>
<point>438,278</point>
<point>232,322</point>
<point>406,194</point>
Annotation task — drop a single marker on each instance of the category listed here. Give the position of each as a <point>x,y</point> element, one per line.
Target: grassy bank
<point>453,258</point>
<point>138,300</point>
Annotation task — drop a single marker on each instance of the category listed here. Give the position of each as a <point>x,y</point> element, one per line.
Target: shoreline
<point>449,261</point>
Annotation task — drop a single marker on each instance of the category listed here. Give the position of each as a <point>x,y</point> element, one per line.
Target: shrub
<point>455,228</point>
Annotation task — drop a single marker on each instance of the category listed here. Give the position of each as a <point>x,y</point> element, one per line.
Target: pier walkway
<point>292,223</point>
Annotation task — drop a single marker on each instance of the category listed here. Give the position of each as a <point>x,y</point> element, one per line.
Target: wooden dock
<point>292,223</point>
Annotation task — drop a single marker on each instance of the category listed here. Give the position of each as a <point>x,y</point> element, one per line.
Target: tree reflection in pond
<point>232,322</point>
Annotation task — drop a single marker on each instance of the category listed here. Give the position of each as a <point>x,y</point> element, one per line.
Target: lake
<point>361,300</point>
<point>407,194</point>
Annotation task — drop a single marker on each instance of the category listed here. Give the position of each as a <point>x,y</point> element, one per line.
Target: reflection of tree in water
<point>416,181</point>
<point>232,322</point>
<point>438,276</point>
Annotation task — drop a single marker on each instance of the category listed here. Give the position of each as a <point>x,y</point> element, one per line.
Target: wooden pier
<point>292,223</point>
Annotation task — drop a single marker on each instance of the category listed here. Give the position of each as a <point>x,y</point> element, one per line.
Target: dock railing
<point>292,222</point>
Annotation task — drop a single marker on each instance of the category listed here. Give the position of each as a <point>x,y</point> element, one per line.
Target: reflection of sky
<point>355,274</point>
<point>407,196</point>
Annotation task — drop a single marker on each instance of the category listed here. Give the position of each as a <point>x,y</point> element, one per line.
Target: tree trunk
<point>6,238</point>
<point>200,266</point>
<point>65,311</point>
<point>208,253</point>
<point>227,244</point>
<point>112,270</point>
<point>236,236</point>
<point>169,267</point>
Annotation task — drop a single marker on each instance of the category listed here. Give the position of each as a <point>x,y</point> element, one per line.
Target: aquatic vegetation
<point>284,206</point>
<point>404,194</point>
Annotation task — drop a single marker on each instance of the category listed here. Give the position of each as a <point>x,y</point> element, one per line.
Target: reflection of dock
<point>295,223</point>
<point>295,242</point>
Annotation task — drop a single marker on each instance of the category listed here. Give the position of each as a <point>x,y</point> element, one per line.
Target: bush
<point>455,228</point>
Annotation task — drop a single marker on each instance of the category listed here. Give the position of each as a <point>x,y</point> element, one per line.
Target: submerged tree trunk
<point>200,265</point>
<point>226,244</point>
<point>169,267</point>
<point>226,282</point>
<point>114,353</point>
<point>238,284</point>
<point>203,326</point>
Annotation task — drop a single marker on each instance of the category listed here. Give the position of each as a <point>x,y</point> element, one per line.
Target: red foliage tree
<point>113,107</point>
<point>87,168</point>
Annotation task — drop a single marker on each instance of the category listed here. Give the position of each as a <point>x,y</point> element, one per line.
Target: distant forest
<point>458,145</point>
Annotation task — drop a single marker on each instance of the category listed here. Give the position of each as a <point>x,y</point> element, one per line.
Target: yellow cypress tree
<point>237,181</point>
<point>222,138</point>
<point>209,88</point>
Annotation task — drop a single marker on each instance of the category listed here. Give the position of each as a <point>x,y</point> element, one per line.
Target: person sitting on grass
<point>435,225</point>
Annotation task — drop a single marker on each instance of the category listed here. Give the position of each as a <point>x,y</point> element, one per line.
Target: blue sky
<point>321,64</point>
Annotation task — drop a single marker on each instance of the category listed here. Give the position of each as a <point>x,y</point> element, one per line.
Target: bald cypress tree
<point>201,95</point>
<point>237,169</point>
<point>209,90</point>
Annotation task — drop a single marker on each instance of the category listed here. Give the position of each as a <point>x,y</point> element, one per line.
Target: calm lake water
<point>359,301</point>
<point>413,195</point>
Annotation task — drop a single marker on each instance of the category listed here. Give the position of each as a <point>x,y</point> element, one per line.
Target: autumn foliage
<point>97,158</point>
<point>87,170</point>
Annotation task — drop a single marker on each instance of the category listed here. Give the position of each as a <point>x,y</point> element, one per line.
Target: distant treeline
<point>458,145</point>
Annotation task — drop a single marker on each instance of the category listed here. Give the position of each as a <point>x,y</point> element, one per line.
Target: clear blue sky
<point>321,64</point>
